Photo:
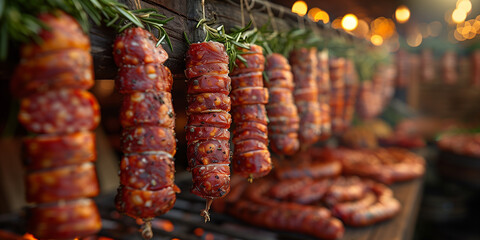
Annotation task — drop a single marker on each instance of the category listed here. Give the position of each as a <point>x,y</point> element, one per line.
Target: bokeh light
<point>349,22</point>
<point>300,8</point>
<point>402,14</point>
<point>376,40</point>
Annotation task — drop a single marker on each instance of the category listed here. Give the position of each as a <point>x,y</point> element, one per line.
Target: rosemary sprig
<point>19,23</point>
<point>233,42</point>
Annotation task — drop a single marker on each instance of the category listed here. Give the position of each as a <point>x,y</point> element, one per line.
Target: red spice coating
<point>249,95</point>
<point>286,143</point>
<point>345,189</point>
<point>147,171</point>
<point>64,183</point>
<point>211,151</point>
<point>249,145</point>
<point>209,84</point>
<point>217,119</point>
<point>211,69</point>
<point>254,63</point>
<point>68,220</point>
<point>194,133</point>
<point>59,111</point>
<point>136,46</point>
<point>253,164</point>
<point>148,139</point>
<point>283,125</point>
<point>145,204</point>
<point>151,77</point>
<point>147,108</point>
<point>50,151</point>
<point>69,68</point>
<point>280,96</point>
<point>287,110</point>
<point>211,181</point>
<point>63,33</point>
<point>305,95</point>
<point>281,109</point>
<point>323,169</point>
<point>208,102</point>
<point>207,132</point>
<point>205,53</point>
<point>251,79</point>
<point>253,113</point>
<point>250,133</point>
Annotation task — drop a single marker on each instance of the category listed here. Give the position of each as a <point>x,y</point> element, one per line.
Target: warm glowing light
<point>28,236</point>
<point>165,225</point>
<point>458,15</point>
<point>209,236</point>
<point>198,232</point>
<point>312,12</point>
<point>337,23</point>
<point>435,28</point>
<point>414,40</point>
<point>384,27</point>
<point>402,14</point>
<point>349,22</point>
<point>300,8</point>
<point>376,40</point>
<point>458,36</point>
<point>322,16</point>
<point>362,29</point>
<point>464,5</point>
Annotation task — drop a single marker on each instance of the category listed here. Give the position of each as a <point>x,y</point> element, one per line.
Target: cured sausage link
<point>304,69</point>
<point>281,109</point>
<point>207,134</point>
<point>147,170</point>
<point>251,157</point>
<point>51,79</point>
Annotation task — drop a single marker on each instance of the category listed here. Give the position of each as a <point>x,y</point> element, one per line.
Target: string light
<point>349,22</point>
<point>459,15</point>
<point>300,8</point>
<point>402,14</point>
<point>376,40</point>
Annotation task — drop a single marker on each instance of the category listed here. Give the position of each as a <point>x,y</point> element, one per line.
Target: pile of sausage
<point>51,80</point>
<point>312,206</point>
<point>253,204</point>
<point>462,144</point>
<point>208,149</point>
<point>281,109</point>
<point>148,141</point>
<point>386,165</point>
<point>251,157</point>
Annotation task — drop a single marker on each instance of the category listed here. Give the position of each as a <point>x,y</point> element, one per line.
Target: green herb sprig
<point>234,41</point>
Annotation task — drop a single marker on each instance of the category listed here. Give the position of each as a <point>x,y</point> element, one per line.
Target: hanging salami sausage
<point>208,148</point>
<point>52,79</point>
<point>147,169</point>
<point>281,109</point>
<point>251,157</point>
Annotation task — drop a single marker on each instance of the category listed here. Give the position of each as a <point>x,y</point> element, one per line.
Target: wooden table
<point>403,225</point>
